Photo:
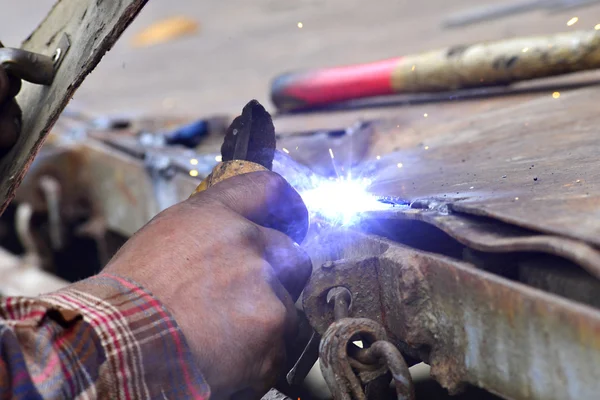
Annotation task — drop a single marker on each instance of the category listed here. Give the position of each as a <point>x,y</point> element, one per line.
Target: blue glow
<point>340,201</point>
<point>337,201</point>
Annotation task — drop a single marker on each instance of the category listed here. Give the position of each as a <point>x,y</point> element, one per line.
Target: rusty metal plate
<point>471,326</point>
<point>534,165</point>
<point>481,234</point>
<point>119,186</point>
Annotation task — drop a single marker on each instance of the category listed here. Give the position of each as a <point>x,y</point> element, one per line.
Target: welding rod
<point>459,67</point>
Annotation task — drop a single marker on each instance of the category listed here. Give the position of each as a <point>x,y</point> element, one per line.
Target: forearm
<point>103,337</point>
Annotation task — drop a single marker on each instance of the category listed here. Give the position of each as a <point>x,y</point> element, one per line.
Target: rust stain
<point>124,188</point>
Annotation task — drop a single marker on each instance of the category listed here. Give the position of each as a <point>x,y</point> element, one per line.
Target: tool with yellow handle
<point>249,146</point>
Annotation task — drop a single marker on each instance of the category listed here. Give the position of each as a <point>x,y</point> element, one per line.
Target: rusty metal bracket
<point>470,325</point>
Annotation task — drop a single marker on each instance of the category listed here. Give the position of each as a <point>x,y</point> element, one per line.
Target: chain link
<point>353,373</point>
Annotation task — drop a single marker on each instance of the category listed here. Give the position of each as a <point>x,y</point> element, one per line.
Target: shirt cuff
<point>147,356</point>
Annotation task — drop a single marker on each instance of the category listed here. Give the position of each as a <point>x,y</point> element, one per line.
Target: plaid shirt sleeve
<point>104,337</point>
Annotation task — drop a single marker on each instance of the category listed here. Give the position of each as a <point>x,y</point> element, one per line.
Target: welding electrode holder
<point>228,169</point>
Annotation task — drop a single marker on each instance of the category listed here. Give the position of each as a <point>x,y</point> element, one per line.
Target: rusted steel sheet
<point>486,235</point>
<point>471,326</point>
<point>125,190</point>
<point>118,185</point>
<point>534,165</point>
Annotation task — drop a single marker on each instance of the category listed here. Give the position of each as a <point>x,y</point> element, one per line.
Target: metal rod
<point>342,300</point>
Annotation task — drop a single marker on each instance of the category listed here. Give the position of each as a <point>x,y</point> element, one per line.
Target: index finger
<point>264,198</point>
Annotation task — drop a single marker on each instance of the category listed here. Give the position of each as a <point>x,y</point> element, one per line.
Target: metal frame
<point>470,325</point>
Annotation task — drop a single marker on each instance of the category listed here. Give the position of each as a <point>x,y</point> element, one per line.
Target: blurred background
<point>228,52</point>
<point>198,58</point>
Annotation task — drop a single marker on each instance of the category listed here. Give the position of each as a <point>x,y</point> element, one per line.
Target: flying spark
<point>193,161</point>
<point>218,158</point>
<point>572,21</point>
<point>193,172</point>
<point>331,153</point>
<point>286,150</point>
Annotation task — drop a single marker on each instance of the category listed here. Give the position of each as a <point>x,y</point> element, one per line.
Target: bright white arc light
<point>341,201</point>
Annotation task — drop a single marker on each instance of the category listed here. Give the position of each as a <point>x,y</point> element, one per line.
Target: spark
<point>399,165</point>
<point>516,198</point>
<point>193,161</point>
<point>378,157</point>
<point>597,27</point>
<point>340,201</point>
<point>218,158</point>
<point>286,150</point>
<point>425,115</point>
<point>572,21</point>
<point>556,95</point>
<point>413,67</point>
<point>426,147</point>
<point>331,153</point>
<point>193,172</point>
<point>525,50</point>
<point>300,25</point>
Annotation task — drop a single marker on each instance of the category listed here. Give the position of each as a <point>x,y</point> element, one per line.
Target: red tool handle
<point>325,86</point>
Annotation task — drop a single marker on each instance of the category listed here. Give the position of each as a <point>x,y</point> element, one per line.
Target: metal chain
<point>353,373</point>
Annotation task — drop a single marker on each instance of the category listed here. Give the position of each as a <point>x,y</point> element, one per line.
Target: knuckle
<point>272,181</point>
<point>250,234</point>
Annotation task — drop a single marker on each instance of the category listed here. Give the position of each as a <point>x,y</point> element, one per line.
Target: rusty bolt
<point>328,265</point>
<point>342,302</point>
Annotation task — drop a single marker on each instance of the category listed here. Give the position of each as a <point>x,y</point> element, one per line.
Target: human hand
<point>222,265</point>
<point>10,113</point>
